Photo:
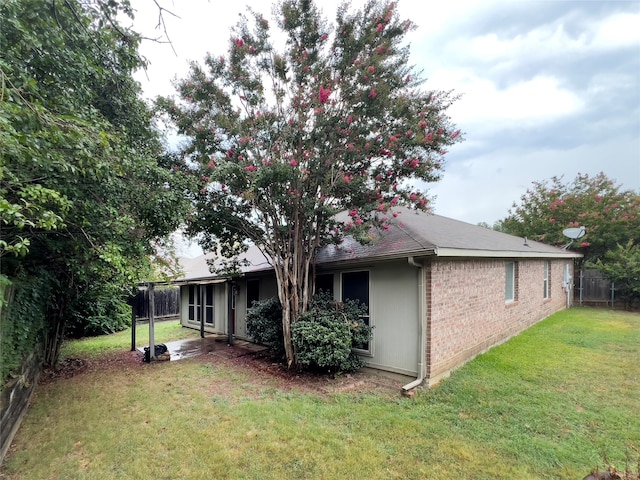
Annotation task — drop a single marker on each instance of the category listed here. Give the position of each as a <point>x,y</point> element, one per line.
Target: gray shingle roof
<point>412,233</point>
<point>423,234</point>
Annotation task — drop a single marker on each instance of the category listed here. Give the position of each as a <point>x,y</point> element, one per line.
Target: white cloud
<point>538,100</point>
<point>619,30</point>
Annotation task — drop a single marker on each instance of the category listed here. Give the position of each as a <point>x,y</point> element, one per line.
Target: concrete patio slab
<point>211,344</point>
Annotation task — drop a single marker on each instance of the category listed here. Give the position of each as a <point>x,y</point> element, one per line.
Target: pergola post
<point>152,307</point>
<point>201,308</point>
<point>133,327</point>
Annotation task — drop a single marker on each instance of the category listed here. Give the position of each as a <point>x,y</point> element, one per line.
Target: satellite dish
<point>574,233</point>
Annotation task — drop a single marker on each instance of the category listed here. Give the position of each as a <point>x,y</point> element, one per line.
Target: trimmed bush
<point>324,336</point>
<point>264,325</point>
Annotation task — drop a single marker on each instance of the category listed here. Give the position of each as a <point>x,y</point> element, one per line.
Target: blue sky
<point>548,87</point>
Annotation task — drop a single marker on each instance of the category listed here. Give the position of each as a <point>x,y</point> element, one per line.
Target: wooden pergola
<point>151,308</point>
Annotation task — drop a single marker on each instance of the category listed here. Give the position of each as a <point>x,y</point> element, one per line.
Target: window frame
<point>546,283</point>
<point>201,304</point>
<point>511,282</point>
<point>368,318</point>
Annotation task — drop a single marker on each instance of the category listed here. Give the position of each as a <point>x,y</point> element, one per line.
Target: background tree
<point>85,194</point>
<point>622,266</point>
<point>285,138</point>
<point>611,216</point>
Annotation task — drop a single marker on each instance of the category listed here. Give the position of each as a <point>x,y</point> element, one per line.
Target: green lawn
<point>550,403</point>
<point>92,347</point>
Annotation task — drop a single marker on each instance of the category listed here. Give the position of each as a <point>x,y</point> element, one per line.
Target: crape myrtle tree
<point>611,216</point>
<point>283,139</point>
<point>85,194</point>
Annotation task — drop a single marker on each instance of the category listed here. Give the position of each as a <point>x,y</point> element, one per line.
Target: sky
<point>547,87</point>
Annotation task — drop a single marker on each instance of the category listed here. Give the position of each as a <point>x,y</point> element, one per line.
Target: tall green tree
<point>611,216</point>
<point>85,193</point>
<point>621,265</point>
<point>285,137</point>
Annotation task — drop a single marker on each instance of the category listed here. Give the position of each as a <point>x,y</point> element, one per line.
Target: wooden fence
<point>166,302</point>
<point>595,289</point>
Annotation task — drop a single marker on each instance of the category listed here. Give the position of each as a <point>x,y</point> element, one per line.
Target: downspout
<point>422,327</point>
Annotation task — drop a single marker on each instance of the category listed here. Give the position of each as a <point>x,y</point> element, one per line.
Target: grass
<point>92,347</point>
<point>551,403</point>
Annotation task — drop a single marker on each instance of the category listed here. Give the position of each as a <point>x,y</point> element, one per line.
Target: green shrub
<point>264,325</point>
<point>324,336</point>
<point>99,315</point>
<point>22,319</point>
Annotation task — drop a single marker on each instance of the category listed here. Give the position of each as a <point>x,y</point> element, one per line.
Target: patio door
<point>201,304</point>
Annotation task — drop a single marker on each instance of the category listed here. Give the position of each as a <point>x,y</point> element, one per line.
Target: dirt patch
<point>258,367</point>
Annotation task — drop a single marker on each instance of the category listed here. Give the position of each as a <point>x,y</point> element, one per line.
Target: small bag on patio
<point>160,349</point>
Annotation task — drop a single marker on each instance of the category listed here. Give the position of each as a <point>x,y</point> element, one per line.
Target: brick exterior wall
<point>467,312</point>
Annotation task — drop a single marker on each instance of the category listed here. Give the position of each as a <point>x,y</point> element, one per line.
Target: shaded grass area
<point>91,347</point>
<point>550,403</point>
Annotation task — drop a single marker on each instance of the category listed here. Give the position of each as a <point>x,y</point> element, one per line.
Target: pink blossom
<point>324,37</point>
<point>353,213</point>
<point>380,27</point>
<point>293,163</point>
<point>358,221</point>
<point>373,93</point>
<point>409,133</point>
<point>212,164</point>
<point>552,220</point>
<point>413,196</point>
<point>585,244</point>
<point>371,69</point>
<point>323,94</point>
<point>250,168</point>
<point>239,42</point>
<point>350,120</point>
<point>347,178</point>
<point>230,153</point>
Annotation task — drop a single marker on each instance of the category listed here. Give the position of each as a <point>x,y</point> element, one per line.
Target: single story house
<point>439,291</point>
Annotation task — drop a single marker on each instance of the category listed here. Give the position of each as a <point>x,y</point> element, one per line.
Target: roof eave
<point>465,252</point>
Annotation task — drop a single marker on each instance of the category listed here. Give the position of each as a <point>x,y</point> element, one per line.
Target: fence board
<point>594,287</point>
<point>166,303</point>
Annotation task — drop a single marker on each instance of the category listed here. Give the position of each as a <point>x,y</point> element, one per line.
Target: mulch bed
<point>253,363</point>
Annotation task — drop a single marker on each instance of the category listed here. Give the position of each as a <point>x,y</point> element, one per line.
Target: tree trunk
<point>293,286</point>
<point>53,341</point>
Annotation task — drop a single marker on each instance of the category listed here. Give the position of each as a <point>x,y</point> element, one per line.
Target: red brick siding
<point>467,312</point>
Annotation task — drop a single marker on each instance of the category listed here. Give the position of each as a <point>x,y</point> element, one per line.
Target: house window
<point>208,304</point>
<point>253,292</point>
<point>324,283</point>
<point>511,282</point>
<point>194,303</point>
<point>545,279</point>
<point>355,286</point>
<point>196,306</point>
